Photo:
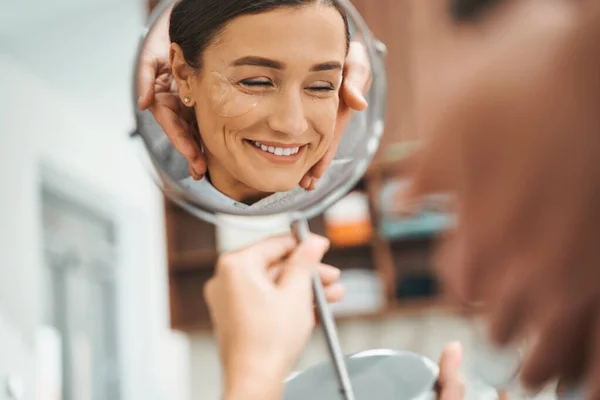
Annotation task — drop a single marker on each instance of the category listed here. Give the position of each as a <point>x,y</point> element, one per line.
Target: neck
<point>230,186</point>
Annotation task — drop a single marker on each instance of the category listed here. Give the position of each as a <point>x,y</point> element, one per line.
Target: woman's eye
<point>256,83</point>
<point>321,87</point>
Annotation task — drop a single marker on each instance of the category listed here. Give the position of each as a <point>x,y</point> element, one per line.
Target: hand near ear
<point>357,81</point>
<point>158,93</point>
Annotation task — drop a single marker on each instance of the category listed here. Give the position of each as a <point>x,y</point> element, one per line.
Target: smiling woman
<point>263,80</point>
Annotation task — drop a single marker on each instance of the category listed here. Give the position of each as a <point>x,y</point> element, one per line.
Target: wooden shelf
<point>194,259</point>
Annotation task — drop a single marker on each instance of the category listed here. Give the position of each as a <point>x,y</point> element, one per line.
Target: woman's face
<point>266,96</point>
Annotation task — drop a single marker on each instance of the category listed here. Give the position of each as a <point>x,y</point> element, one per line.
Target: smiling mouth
<point>278,151</point>
<point>282,154</point>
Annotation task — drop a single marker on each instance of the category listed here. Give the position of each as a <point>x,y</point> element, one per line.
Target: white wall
<point>65,102</point>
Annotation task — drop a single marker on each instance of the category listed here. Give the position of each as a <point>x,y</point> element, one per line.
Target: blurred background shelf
<point>396,256</point>
<point>194,259</point>
<point>403,308</point>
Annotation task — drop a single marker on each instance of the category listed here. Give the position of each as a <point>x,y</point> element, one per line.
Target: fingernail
<point>455,348</point>
<point>304,182</point>
<point>455,345</point>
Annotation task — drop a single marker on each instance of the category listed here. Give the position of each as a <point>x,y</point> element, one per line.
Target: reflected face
<point>266,98</point>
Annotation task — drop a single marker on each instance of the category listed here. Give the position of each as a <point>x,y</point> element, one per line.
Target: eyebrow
<point>268,63</point>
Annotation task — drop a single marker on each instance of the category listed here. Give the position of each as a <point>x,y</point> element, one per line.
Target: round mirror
<point>259,94</point>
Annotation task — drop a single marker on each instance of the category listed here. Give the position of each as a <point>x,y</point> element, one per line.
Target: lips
<point>277,150</point>
<point>278,153</point>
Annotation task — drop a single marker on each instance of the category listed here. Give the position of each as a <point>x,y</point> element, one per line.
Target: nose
<point>288,115</point>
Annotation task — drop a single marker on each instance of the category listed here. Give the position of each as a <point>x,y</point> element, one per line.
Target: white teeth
<point>278,151</point>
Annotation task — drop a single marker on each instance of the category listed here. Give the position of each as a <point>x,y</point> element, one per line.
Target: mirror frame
<point>376,52</point>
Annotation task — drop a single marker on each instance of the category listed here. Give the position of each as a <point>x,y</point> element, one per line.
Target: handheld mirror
<point>262,109</point>
<point>255,86</point>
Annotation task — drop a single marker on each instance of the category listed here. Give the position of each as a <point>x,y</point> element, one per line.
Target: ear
<point>182,73</point>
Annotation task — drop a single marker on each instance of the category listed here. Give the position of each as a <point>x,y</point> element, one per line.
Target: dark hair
<point>195,23</point>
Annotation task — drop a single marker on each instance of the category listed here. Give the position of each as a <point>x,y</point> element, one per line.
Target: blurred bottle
<point>348,222</point>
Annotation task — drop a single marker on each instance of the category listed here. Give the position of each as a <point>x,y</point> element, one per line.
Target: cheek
<point>211,128</point>
<point>323,114</point>
<point>226,99</point>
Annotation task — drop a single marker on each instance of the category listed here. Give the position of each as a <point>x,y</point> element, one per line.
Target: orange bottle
<point>348,222</point>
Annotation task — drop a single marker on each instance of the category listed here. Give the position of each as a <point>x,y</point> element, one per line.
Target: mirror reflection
<point>251,113</point>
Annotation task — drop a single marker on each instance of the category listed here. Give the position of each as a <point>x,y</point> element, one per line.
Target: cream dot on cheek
<point>227,98</point>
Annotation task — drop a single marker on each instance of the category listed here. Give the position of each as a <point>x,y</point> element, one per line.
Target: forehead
<point>311,33</point>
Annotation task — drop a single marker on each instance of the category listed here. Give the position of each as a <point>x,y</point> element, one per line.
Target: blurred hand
<point>450,383</point>
<point>158,93</point>
<point>356,83</point>
<point>262,310</point>
<point>512,129</point>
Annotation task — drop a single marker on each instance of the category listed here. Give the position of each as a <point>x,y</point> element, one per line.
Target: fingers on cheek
<point>193,173</point>
<point>305,182</point>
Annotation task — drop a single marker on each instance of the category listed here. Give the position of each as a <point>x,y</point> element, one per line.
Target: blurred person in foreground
<point>263,316</point>
<point>512,129</point>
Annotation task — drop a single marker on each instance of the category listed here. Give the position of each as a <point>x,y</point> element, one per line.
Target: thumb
<point>303,263</point>
<point>450,380</point>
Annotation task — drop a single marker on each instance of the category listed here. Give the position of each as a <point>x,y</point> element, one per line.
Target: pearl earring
<point>187,100</point>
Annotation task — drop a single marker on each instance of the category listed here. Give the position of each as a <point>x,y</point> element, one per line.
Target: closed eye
<point>256,83</point>
<point>321,88</point>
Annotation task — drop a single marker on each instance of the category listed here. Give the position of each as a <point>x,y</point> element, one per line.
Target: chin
<point>276,186</point>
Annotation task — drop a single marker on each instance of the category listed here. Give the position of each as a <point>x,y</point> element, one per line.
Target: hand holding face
<point>262,310</point>
<point>158,93</point>
<point>356,82</point>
